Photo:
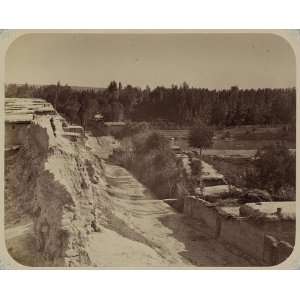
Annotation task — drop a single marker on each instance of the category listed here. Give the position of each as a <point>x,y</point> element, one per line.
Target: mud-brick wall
<point>275,251</point>
<point>243,234</point>
<point>282,230</point>
<point>270,254</point>
<point>202,210</point>
<point>15,133</point>
<point>284,251</point>
<point>268,241</point>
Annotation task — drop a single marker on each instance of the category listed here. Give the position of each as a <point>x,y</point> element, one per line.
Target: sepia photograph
<point>136,149</point>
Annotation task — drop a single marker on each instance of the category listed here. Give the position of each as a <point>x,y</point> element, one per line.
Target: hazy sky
<point>211,61</point>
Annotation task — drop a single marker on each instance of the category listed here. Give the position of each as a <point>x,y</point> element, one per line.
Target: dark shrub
<point>149,156</point>
<point>273,169</point>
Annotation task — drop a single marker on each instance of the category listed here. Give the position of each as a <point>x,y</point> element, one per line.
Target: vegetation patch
<point>273,168</point>
<point>149,157</point>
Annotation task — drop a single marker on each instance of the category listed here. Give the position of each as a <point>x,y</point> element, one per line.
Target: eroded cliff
<point>56,184</point>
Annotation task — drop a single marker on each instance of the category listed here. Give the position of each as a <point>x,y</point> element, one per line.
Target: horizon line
<point>151,88</point>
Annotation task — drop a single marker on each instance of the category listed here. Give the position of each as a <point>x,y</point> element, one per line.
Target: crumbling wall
<point>276,251</point>
<point>202,210</point>
<point>260,239</point>
<point>22,168</point>
<point>270,254</point>
<point>283,230</point>
<point>59,233</point>
<point>243,234</point>
<point>15,133</point>
<point>269,242</point>
<point>61,184</point>
<point>284,250</point>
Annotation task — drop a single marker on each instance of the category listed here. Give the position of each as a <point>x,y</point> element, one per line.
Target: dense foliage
<point>157,167</point>
<point>179,106</point>
<point>131,128</point>
<point>200,136</point>
<point>273,169</point>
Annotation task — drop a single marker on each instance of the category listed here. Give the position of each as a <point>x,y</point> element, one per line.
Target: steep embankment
<point>55,185</point>
<point>70,208</point>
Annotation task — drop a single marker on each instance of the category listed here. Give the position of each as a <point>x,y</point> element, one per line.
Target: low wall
<point>202,210</point>
<point>15,133</point>
<point>244,235</point>
<point>284,251</point>
<point>275,251</point>
<point>268,242</point>
<point>281,230</point>
<point>270,254</point>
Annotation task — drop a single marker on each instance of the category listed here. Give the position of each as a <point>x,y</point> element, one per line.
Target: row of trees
<point>231,107</point>
<point>176,105</point>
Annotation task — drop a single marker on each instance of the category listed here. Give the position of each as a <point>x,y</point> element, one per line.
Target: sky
<point>213,61</point>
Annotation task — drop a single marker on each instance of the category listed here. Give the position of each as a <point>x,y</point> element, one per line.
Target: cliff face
<point>59,184</point>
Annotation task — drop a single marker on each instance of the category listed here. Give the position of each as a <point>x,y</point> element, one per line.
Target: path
<point>151,233</point>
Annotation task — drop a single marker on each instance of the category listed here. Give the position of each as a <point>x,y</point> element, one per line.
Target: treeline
<point>223,108</point>
<point>163,106</point>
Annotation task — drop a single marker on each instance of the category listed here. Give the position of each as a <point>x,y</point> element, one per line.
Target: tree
<point>274,168</point>
<point>117,111</point>
<point>218,114</point>
<point>113,86</point>
<point>200,136</point>
<point>56,94</point>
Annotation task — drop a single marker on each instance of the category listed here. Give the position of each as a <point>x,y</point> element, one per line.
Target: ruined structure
<point>19,113</point>
<point>56,179</point>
